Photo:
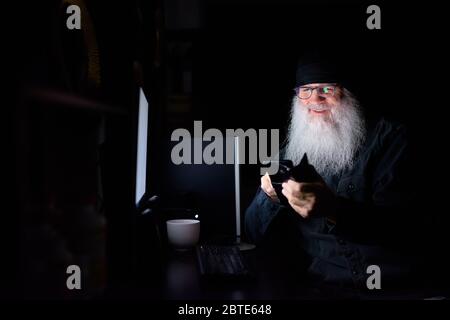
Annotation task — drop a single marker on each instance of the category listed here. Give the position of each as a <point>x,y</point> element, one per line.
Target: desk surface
<point>272,280</point>
<point>170,275</point>
<point>183,280</point>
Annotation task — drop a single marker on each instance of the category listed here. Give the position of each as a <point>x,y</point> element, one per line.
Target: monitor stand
<point>243,246</point>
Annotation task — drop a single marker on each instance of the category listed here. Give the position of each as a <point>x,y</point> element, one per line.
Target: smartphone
<point>282,175</point>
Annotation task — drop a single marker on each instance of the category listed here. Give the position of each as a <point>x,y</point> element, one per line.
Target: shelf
<point>58,98</point>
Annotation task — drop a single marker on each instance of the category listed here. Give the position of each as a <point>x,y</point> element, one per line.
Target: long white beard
<point>330,141</point>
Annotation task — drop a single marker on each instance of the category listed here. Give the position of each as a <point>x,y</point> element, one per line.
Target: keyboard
<point>221,261</point>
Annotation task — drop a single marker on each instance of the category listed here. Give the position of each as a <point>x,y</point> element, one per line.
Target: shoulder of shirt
<point>385,127</point>
<point>385,132</point>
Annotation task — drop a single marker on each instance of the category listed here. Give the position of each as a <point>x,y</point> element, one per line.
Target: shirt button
<point>354,272</point>
<point>350,187</point>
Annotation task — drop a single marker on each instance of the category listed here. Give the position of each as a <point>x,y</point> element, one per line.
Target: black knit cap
<point>317,67</point>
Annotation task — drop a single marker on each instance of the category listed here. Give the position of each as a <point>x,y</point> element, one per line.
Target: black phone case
<point>303,172</point>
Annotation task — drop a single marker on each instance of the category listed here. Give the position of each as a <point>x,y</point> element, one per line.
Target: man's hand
<point>266,186</point>
<point>309,198</point>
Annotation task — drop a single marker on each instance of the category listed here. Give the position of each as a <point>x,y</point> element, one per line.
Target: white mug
<point>183,233</point>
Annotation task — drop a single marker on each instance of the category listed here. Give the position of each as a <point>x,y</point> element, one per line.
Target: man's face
<point>319,98</point>
<point>327,124</point>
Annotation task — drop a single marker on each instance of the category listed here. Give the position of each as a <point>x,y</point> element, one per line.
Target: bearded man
<point>358,216</point>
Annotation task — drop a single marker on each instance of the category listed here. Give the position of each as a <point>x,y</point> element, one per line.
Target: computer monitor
<point>142,145</point>
<point>147,260</point>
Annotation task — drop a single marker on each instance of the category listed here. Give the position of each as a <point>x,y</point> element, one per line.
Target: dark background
<point>230,64</point>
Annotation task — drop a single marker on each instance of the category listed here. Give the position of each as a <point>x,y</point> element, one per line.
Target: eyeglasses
<point>323,91</point>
